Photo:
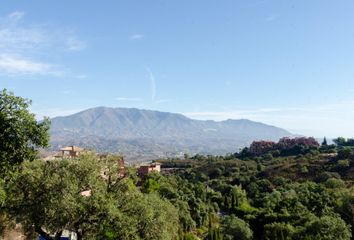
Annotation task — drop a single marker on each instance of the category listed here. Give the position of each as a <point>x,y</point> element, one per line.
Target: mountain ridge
<point>131,129</point>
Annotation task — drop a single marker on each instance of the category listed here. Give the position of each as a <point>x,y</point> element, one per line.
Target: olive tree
<point>20,132</point>
<point>235,228</point>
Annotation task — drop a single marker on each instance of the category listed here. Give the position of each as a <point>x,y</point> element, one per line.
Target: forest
<point>295,188</point>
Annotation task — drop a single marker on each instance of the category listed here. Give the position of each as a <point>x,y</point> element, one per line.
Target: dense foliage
<point>20,133</point>
<point>47,197</point>
<point>293,189</point>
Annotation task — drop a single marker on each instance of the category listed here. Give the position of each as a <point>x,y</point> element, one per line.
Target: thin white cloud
<point>18,65</point>
<point>14,37</point>
<point>128,99</point>
<point>136,37</point>
<point>21,44</point>
<point>153,88</point>
<point>152,84</point>
<point>15,16</point>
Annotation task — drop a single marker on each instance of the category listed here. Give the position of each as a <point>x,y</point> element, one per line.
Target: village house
<point>145,169</point>
<point>70,152</point>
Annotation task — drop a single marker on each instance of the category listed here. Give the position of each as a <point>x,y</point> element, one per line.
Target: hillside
<point>146,133</point>
<point>287,192</point>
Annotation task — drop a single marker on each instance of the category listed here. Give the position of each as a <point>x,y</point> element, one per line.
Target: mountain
<point>142,134</point>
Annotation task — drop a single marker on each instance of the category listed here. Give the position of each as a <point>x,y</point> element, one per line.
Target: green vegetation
<point>293,189</point>
<point>47,197</point>
<point>20,133</point>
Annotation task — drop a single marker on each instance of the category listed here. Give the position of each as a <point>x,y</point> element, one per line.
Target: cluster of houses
<point>143,169</point>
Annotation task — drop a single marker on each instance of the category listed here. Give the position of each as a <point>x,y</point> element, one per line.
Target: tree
<point>20,133</point>
<point>3,217</point>
<point>279,231</point>
<point>238,197</point>
<point>324,142</point>
<point>258,148</point>
<point>150,185</point>
<point>345,206</point>
<point>49,197</point>
<point>345,153</point>
<point>233,227</point>
<point>45,197</point>
<point>328,228</point>
<point>139,216</point>
<point>340,141</point>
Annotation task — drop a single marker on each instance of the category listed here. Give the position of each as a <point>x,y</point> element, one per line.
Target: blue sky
<point>286,63</point>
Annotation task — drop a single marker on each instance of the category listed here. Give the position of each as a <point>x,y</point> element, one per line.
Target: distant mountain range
<point>145,134</point>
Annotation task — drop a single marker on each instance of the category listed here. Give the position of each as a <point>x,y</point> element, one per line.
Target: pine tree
<point>324,142</point>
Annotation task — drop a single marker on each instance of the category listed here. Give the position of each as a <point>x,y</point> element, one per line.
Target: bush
<point>334,183</point>
<point>268,157</point>
<point>304,169</point>
<point>343,163</point>
<point>345,153</point>
<point>326,175</point>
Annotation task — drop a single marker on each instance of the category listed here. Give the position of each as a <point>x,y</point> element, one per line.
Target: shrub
<point>334,183</point>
